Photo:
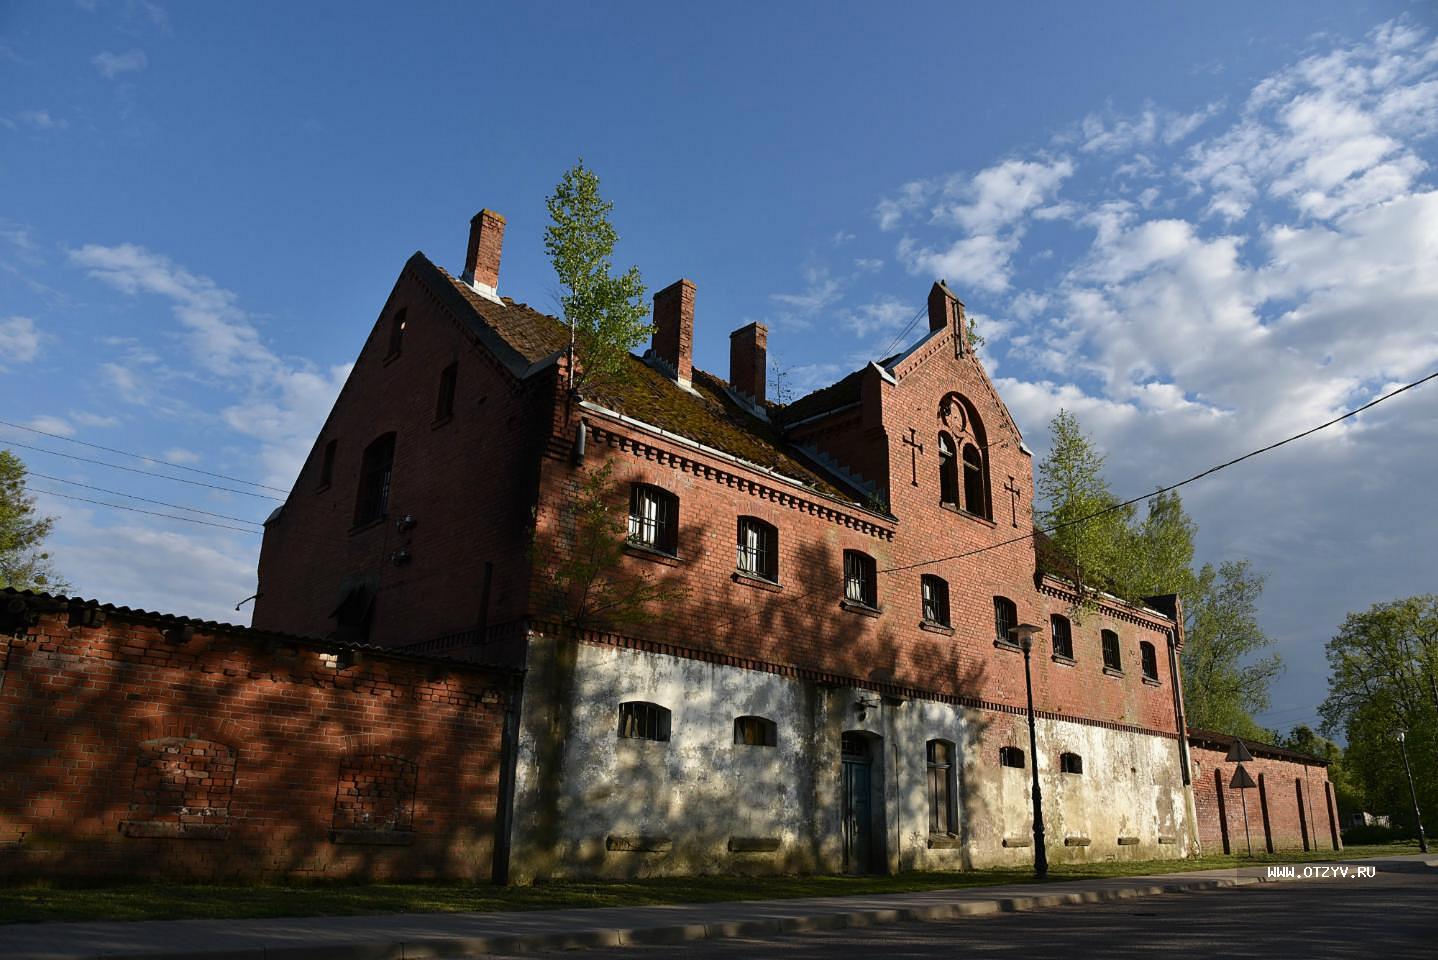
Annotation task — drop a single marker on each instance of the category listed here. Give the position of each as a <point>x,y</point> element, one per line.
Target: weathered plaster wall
<point>582,790</point>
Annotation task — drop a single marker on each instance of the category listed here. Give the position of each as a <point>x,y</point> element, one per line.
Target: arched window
<point>756,731</point>
<point>860,579</point>
<point>934,594</point>
<point>942,817</point>
<point>1150,660</point>
<point>444,401</point>
<point>1011,757</point>
<point>640,720</point>
<point>1062,635</point>
<point>976,492</point>
<point>396,334</point>
<point>1112,658</point>
<point>948,471</point>
<point>376,470</point>
<point>653,518</point>
<point>1006,616</point>
<point>758,549</point>
<point>1070,763</point>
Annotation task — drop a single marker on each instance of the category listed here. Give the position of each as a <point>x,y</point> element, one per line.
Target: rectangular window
<point>758,549</point>
<point>1112,658</point>
<point>327,465</point>
<point>1062,634</point>
<point>859,577</point>
<point>653,518</point>
<point>375,474</point>
<point>444,404</point>
<point>941,794</point>
<point>935,594</point>
<point>1070,763</point>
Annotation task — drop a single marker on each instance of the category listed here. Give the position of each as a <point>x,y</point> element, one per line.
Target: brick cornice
<point>1052,586</point>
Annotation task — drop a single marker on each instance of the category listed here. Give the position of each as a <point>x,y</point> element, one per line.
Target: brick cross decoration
<point>1014,491</point>
<point>915,448</point>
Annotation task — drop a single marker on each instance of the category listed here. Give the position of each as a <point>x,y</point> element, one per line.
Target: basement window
<point>1070,763</point>
<point>1011,757</point>
<point>942,819</point>
<point>640,720</point>
<point>756,732</point>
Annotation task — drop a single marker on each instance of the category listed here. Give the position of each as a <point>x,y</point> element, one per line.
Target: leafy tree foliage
<point>1225,681</point>
<point>606,313</point>
<point>23,564</point>
<point>1305,739</point>
<point>1383,677</point>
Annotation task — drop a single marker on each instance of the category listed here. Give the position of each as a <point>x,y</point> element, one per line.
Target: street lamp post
<point>1413,791</point>
<point>1025,633</point>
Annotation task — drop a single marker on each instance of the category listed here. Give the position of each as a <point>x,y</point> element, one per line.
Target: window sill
<point>934,627</point>
<point>441,421</point>
<point>368,524</point>
<point>1008,645</point>
<point>944,841</point>
<point>964,513</point>
<point>1152,681</point>
<point>756,581</point>
<point>1066,661</point>
<point>863,609</point>
<point>653,555</point>
<point>1111,672</point>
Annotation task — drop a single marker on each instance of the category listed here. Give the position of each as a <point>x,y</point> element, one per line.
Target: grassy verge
<point>172,901</point>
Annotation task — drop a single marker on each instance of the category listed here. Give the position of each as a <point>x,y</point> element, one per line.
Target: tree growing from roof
<point>1225,681</point>
<point>606,314</point>
<point>23,564</point>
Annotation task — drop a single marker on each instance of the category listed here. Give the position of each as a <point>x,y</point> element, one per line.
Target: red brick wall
<point>230,754</point>
<point>468,482</point>
<point>1276,818</point>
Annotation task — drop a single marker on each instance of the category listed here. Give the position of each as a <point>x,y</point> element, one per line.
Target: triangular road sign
<point>1241,779</point>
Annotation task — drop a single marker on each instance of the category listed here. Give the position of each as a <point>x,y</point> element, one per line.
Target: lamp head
<point>1024,634</point>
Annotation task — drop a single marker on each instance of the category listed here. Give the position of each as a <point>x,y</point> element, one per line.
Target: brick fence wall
<point>150,745</point>
<point>1292,806</point>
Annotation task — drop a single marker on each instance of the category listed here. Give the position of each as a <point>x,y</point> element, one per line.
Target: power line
<point>152,513</point>
<point>892,343</point>
<point>131,496</point>
<point>143,473</point>
<point>141,456</point>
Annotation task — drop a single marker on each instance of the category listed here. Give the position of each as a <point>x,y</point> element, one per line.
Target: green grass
<point>33,902</point>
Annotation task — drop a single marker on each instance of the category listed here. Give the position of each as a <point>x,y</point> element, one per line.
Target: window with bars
<point>948,471</point>
<point>942,817</point>
<point>758,549</point>
<point>1112,657</point>
<point>1150,660</point>
<point>756,732</point>
<point>1062,635</point>
<point>1006,617</point>
<point>653,518</point>
<point>376,469</point>
<point>860,578</point>
<point>444,403</point>
<point>1011,757</point>
<point>1070,763</point>
<point>934,592</point>
<point>396,334</point>
<point>640,720</point>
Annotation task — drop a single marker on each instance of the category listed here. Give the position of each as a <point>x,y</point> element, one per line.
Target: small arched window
<point>948,471</point>
<point>1150,660</point>
<point>1011,757</point>
<point>1006,617</point>
<point>756,731</point>
<point>376,471</point>
<point>1112,657</point>
<point>1062,634</point>
<point>860,579</point>
<point>976,499</point>
<point>1070,763</point>
<point>396,334</point>
<point>758,549</point>
<point>653,518</point>
<point>641,720</point>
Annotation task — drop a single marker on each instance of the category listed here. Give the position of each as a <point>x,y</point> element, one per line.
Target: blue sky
<point>1200,227</point>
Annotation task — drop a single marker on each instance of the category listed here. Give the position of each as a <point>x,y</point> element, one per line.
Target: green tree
<point>23,564</point>
<point>606,314</point>
<point>1225,681</point>
<point>1159,555</point>
<point>1305,739</point>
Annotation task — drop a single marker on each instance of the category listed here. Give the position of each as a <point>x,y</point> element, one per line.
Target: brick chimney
<point>748,360</point>
<point>673,342</point>
<point>486,241</point>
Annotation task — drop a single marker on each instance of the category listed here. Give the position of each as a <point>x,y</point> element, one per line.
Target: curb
<point>668,935</point>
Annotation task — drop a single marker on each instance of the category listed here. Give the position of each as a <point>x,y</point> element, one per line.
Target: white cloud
<point>49,424</point>
<point>111,65</point>
<point>19,340</point>
<point>41,120</point>
<point>1002,194</point>
<point>982,262</point>
<point>181,455</point>
<point>883,317</point>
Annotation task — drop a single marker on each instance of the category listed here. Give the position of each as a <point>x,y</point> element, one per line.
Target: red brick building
<point>832,684</point>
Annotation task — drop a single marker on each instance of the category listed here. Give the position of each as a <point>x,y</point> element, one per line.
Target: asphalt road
<point>1391,917</point>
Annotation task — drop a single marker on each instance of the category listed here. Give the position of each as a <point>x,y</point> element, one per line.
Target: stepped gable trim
<point>811,501</point>
<point>42,603</point>
<point>1052,586</point>
<point>824,678</point>
<point>1213,739</point>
